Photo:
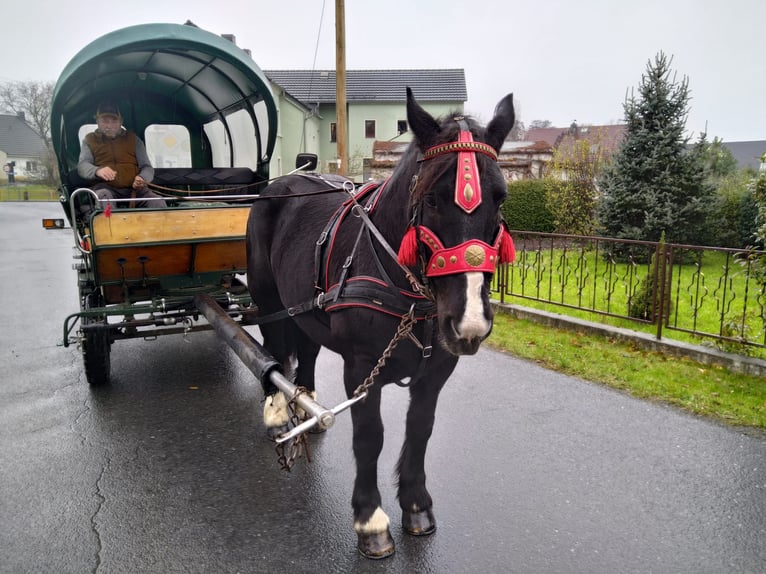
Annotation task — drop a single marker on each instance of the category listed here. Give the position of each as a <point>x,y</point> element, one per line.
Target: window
<point>333,132</point>
<point>401,127</point>
<point>31,166</point>
<point>369,128</point>
<point>168,145</point>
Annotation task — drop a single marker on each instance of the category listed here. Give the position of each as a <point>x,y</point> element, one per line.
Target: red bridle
<point>471,255</point>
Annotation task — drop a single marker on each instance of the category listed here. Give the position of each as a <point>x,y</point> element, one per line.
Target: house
<point>376,112</point>
<point>22,146</point>
<point>749,155</point>
<point>606,138</point>
<point>517,160</point>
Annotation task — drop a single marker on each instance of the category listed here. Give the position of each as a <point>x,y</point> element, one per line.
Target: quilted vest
<point>118,153</point>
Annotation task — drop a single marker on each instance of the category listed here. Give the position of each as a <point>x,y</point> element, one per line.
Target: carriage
<point>358,271</point>
<point>209,120</point>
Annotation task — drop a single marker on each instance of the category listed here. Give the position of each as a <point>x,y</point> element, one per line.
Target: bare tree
<point>33,99</point>
<point>540,124</point>
<point>518,131</point>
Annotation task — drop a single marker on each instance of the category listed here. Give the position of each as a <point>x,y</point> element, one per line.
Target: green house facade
<point>376,111</point>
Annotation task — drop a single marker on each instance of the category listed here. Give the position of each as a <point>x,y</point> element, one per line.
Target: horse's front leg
<point>370,521</point>
<point>414,498</point>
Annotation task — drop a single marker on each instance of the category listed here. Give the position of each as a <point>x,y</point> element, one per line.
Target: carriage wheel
<point>96,346</point>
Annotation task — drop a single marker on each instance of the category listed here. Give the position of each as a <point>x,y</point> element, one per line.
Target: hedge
<point>524,209</point>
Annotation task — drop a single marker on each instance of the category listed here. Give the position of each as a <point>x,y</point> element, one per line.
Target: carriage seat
<point>224,180</point>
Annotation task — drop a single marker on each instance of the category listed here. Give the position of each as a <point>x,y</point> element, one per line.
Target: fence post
<point>660,267</point>
<point>502,280</point>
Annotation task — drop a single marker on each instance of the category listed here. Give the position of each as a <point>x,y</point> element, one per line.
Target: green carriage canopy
<point>165,74</point>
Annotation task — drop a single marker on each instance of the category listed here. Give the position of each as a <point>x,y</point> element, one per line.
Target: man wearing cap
<point>117,158</point>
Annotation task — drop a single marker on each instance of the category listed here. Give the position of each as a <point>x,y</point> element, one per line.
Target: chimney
<point>21,116</point>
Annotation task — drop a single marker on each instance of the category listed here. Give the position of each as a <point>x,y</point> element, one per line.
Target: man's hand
<point>106,173</point>
<point>139,182</point>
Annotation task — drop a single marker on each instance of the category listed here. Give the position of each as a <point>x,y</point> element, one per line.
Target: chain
<point>289,452</point>
<point>404,330</point>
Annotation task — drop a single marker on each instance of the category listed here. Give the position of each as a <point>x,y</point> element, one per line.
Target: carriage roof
<point>163,73</point>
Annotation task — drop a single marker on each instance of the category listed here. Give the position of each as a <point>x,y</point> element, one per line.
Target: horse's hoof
<point>274,432</point>
<point>420,523</point>
<point>375,545</point>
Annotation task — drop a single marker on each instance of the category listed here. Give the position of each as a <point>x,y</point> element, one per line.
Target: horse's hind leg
<point>297,354</point>
<point>276,341</point>
<point>307,352</point>
<point>414,498</point>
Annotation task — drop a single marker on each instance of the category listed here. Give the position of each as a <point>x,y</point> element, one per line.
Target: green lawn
<point>28,192</point>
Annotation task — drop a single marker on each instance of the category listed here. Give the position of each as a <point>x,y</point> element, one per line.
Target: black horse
<point>327,257</point>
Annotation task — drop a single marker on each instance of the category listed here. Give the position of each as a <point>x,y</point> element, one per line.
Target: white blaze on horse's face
<point>474,324</point>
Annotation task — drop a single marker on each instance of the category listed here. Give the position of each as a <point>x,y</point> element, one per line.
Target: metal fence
<point>704,292</point>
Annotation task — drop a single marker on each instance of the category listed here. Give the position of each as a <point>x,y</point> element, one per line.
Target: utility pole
<point>340,85</point>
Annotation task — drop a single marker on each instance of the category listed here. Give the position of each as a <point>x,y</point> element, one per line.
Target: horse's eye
<point>430,200</point>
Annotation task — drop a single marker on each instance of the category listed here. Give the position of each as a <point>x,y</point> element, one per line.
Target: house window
<point>31,166</point>
<point>401,127</point>
<point>369,129</point>
<point>333,132</point>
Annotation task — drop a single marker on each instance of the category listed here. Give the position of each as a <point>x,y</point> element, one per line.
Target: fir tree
<point>655,184</point>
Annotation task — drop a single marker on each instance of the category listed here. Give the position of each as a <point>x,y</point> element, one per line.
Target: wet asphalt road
<point>168,470</point>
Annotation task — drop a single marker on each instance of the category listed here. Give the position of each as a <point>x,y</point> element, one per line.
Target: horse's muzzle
<point>461,344</point>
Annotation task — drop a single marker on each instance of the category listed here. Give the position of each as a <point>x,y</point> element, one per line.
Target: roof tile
<point>318,86</point>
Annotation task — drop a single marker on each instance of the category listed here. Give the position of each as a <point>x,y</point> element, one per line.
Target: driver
<point>118,159</point>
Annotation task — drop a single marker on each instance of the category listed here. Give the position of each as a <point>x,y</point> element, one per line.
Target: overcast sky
<point>563,60</point>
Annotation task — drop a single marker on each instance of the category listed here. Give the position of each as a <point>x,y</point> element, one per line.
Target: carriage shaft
<point>260,362</point>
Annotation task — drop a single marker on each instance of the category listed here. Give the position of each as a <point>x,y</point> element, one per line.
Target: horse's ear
<point>422,124</point>
<point>501,124</point>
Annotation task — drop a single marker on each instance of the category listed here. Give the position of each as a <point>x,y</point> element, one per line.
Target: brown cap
<point>108,109</point>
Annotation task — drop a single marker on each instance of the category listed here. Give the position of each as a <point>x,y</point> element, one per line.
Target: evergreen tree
<point>655,184</point>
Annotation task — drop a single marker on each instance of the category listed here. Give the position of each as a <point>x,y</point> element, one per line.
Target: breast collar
<point>378,293</point>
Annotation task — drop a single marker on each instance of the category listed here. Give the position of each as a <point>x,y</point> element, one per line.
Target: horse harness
<point>380,293</point>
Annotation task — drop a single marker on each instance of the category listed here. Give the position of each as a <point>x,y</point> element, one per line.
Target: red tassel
<point>408,250</point>
<point>506,250</point>
<point>108,210</point>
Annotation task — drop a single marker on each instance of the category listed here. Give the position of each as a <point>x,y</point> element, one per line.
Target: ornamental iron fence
<point>707,293</point>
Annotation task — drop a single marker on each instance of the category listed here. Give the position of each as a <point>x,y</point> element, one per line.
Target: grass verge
<point>706,390</point>
<point>28,192</point>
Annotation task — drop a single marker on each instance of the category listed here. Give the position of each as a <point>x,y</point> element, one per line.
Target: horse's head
<point>455,229</point>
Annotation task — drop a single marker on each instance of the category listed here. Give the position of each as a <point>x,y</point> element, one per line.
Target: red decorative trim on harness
<point>467,183</point>
<point>471,255</point>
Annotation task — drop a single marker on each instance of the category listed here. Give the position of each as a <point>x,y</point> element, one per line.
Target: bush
<point>733,215</point>
<point>525,207</point>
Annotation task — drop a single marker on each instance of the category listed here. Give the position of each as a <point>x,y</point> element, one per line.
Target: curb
<point>700,353</point>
